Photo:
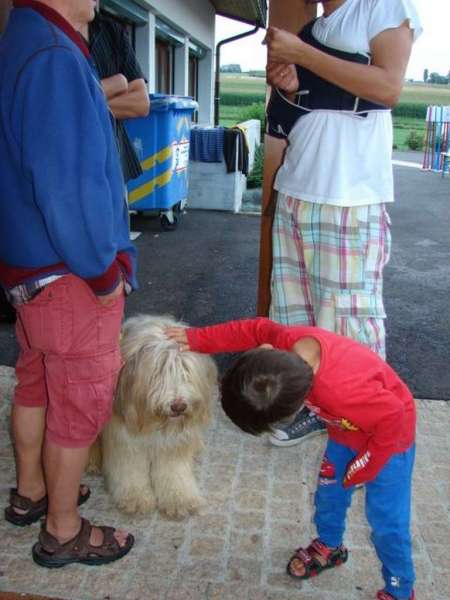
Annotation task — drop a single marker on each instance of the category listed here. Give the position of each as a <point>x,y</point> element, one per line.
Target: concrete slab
<point>406,163</point>
<point>259,508</point>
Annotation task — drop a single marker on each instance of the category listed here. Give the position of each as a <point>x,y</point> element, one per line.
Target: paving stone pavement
<point>259,508</point>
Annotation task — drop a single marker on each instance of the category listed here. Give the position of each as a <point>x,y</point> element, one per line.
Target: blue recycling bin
<point>161,141</point>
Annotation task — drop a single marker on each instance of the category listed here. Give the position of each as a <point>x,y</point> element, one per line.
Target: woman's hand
<point>178,335</point>
<point>283,77</point>
<point>284,47</point>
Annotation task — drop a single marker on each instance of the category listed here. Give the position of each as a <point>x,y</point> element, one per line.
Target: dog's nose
<point>178,406</point>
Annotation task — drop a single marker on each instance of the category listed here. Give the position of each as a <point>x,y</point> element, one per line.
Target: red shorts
<point>69,359</point>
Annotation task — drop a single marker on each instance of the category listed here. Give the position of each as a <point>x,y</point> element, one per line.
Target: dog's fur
<point>148,451</point>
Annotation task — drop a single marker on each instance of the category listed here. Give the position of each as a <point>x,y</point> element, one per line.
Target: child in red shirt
<point>370,417</point>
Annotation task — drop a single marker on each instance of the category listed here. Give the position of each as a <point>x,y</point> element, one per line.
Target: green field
<point>242,84</point>
<point>418,93</point>
<point>230,115</point>
<point>426,93</point>
<point>412,92</point>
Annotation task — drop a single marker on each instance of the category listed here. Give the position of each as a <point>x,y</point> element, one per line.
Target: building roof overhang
<point>253,12</point>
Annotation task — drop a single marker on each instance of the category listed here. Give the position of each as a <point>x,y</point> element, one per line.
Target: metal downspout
<point>217,81</point>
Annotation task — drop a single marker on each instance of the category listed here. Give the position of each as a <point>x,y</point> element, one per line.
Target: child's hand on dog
<point>178,335</point>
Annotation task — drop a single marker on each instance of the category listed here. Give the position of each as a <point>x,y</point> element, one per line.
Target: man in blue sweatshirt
<point>65,263</point>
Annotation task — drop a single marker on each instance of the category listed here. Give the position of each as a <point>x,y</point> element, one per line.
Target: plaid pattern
<point>327,268</point>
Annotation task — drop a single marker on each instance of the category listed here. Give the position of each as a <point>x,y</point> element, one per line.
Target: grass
<point>412,92</point>
<point>426,92</point>
<point>242,84</point>
<point>403,127</point>
<point>229,115</point>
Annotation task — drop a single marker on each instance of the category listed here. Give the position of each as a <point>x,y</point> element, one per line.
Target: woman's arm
<point>380,82</point>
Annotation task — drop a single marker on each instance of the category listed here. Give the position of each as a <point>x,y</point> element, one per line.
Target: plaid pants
<point>328,268</point>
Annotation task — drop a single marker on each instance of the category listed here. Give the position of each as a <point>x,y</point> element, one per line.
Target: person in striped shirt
<point>122,80</point>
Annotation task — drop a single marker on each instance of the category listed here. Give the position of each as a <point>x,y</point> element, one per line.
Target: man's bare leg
<point>63,470</point>
<point>28,424</point>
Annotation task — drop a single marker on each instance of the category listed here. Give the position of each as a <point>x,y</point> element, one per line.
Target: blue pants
<point>388,510</point>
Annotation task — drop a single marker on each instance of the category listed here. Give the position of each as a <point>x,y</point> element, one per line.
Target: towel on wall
<point>206,144</point>
<point>230,146</point>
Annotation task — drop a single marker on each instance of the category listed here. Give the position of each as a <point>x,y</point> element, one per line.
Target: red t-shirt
<point>365,404</point>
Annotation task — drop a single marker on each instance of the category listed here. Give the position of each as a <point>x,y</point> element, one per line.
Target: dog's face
<point>159,386</point>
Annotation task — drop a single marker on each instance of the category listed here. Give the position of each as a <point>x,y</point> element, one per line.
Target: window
<point>193,77</point>
<point>164,67</point>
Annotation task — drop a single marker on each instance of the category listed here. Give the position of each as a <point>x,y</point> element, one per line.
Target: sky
<point>431,51</point>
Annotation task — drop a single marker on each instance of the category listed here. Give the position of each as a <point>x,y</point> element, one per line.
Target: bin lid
<point>165,102</point>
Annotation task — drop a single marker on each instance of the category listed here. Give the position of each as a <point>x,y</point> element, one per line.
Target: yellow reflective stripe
<point>147,188</point>
<point>160,156</point>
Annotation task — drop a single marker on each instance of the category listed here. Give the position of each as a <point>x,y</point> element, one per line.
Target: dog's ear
<point>131,396</point>
<point>204,371</point>
<point>212,373</point>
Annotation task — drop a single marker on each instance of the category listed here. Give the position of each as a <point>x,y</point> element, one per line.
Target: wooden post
<point>7,313</point>
<point>5,6</point>
<point>290,16</point>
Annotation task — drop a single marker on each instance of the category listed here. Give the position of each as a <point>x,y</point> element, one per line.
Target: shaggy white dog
<point>161,409</point>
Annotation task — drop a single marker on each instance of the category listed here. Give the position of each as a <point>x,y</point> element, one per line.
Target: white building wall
<point>206,84</point>
<point>145,51</point>
<point>181,76</point>
<point>196,20</point>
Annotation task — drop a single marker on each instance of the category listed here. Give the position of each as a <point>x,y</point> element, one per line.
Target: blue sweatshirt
<point>62,202</point>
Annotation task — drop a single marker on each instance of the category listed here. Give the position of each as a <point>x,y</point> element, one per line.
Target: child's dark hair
<point>265,386</point>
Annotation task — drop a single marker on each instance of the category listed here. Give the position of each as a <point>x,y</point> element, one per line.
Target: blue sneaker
<point>304,426</point>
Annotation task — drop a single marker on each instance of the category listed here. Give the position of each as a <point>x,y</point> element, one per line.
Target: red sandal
<point>332,557</point>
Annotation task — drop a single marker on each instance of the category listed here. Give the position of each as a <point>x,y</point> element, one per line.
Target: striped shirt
<point>113,53</point>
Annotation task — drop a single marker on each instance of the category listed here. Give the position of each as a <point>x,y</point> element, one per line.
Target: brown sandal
<point>35,510</point>
<point>50,553</point>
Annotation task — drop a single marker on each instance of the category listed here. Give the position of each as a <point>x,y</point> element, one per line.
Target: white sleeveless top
<point>338,158</point>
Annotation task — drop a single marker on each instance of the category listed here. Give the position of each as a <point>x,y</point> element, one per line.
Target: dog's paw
<point>181,509</point>
<point>134,504</point>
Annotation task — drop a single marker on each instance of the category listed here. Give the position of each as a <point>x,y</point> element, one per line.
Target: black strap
<point>315,93</point>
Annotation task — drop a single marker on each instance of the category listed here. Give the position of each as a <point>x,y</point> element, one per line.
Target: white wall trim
<point>196,19</point>
<point>181,77</point>
<point>145,51</point>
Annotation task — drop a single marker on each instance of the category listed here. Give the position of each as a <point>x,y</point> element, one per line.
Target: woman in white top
<point>331,236</point>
